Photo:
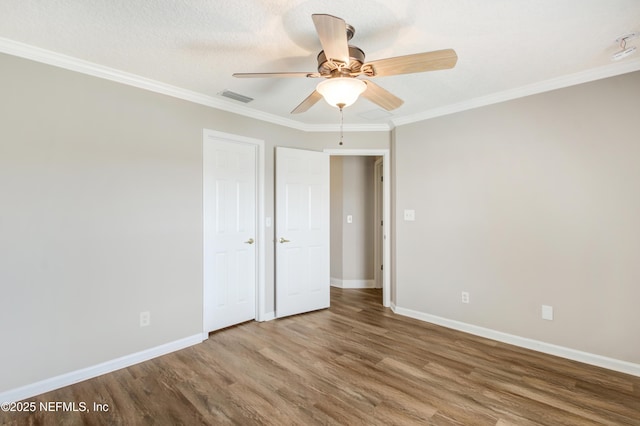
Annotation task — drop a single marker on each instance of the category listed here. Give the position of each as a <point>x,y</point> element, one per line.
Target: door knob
<point>249,241</point>
<point>284,240</point>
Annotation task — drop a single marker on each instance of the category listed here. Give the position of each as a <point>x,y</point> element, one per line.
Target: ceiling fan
<point>341,64</point>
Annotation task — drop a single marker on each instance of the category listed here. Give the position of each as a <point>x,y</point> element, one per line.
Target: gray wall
<point>357,238</point>
<point>529,202</point>
<point>101,216</point>
<point>337,218</point>
<point>352,193</point>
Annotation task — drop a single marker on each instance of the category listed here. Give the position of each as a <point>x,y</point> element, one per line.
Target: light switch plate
<point>349,218</point>
<point>547,312</point>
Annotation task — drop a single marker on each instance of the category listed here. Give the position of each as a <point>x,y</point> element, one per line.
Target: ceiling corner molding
<point>85,67</point>
<point>37,54</point>
<point>593,74</point>
<point>48,57</point>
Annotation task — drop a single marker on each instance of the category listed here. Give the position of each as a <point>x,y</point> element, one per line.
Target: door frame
<point>259,144</point>
<point>378,238</point>
<point>386,210</point>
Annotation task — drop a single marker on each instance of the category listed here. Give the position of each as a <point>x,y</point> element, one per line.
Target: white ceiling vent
<point>236,96</point>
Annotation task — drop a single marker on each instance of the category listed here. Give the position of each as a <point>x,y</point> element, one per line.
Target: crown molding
<point>593,74</point>
<point>38,54</point>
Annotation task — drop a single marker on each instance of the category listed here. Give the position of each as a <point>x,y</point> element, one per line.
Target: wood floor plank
<point>356,363</point>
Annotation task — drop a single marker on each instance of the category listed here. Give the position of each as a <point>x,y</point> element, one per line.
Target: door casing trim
<point>386,211</point>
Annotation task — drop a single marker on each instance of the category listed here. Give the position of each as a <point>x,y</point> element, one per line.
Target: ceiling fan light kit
<point>341,92</point>
<point>341,64</point>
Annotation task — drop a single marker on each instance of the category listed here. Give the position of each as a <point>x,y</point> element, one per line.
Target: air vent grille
<point>236,96</point>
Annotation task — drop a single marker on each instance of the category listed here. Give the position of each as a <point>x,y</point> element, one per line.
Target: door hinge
<point>382,267</point>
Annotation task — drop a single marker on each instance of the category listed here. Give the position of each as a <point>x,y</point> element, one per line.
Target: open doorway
<point>359,224</point>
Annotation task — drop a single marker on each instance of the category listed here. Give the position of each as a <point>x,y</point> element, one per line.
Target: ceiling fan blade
<point>332,32</point>
<point>276,74</point>
<point>381,97</point>
<point>307,103</point>
<point>418,62</point>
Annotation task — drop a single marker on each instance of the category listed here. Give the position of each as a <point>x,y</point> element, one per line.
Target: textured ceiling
<point>504,46</point>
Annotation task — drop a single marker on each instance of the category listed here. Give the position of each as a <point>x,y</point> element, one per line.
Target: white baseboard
<point>336,282</point>
<point>67,379</point>
<point>523,342</point>
<point>268,316</point>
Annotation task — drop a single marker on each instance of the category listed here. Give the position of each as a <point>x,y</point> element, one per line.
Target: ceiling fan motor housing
<point>329,68</point>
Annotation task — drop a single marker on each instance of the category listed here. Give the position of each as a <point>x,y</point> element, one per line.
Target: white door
<point>229,187</point>
<point>302,231</point>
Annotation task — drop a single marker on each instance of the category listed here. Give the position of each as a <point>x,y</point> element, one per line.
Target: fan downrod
<point>350,31</point>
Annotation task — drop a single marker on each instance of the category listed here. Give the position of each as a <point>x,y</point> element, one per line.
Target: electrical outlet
<point>465,297</point>
<point>409,215</point>
<point>145,319</point>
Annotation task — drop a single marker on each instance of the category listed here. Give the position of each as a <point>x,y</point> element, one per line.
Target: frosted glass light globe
<point>341,91</point>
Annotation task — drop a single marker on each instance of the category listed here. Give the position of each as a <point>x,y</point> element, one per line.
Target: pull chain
<point>341,122</point>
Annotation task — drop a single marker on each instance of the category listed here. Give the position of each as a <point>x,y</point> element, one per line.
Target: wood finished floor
<point>356,363</point>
